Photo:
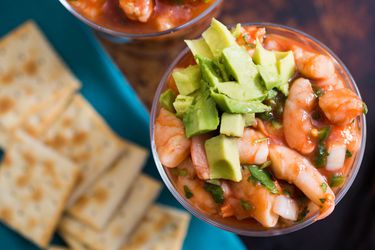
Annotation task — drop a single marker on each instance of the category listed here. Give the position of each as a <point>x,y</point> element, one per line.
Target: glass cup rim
<point>121,34</point>
<point>268,232</point>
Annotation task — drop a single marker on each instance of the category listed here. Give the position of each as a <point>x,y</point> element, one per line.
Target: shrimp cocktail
<point>258,127</point>
<point>141,18</point>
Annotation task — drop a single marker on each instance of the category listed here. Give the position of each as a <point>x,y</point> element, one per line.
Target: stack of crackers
<point>64,168</point>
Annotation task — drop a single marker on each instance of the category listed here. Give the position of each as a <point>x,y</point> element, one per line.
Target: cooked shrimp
<point>259,201</point>
<point>297,120</point>
<point>341,106</point>
<point>170,140</point>
<point>92,8</point>
<point>311,65</point>
<point>331,83</point>
<point>290,166</point>
<point>341,140</point>
<point>198,155</point>
<point>138,10</point>
<point>274,44</point>
<point>200,198</point>
<point>253,147</point>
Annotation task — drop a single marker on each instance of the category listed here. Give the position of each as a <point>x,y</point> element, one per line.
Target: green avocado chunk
<point>187,79</point>
<point>232,124</point>
<point>270,75</point>
<point>286,68</point>
<point>233,106</point>
<point>182,104</point>
<point>262,56</point>
<point>240,92</point>
<point>249,119</point>
<point>218,37</point>
<point>201,117</point>
<point>240,65</point>
<point>199,47</point>
<point>166,100</point>
<point>210,73</point>
<point>223,158</point>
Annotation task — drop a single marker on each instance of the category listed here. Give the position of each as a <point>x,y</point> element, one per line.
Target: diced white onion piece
<point>285,207</point>
<point>336,157</point>
<point>262,153</point>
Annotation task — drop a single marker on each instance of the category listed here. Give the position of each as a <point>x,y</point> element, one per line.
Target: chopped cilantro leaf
<point>365,109</point>
<point>216,192</point>
<point>321,155</point>
<point>179,172</point>
<point>348,154</point>
<point>337,180</point>
<point>263,177</point>
<point>246,205</point>
<point>188,193</point>
<point>324,187</point>
<point>302,215</point>
<point>266,164</point>
<point>323,134</point>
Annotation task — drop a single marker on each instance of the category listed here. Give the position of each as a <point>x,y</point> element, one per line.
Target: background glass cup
<point>250,227</point>
<point>191,28</point>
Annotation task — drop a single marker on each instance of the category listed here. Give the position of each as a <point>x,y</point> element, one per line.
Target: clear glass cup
<point>245,228</point>
<point>193,27</point>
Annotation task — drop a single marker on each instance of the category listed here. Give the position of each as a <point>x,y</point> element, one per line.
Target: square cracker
<point>35,183</point>
<point>99,202</point>
<point>161,228</point>
<point>39,121</point>
<point>83,136</point>
<point>31,75</point>
<point>135,205</point>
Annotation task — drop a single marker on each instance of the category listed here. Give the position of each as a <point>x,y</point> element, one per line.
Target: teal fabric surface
<point>110,94</point>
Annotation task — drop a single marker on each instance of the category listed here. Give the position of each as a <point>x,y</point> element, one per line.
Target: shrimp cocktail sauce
<point>140,16</point>
<point>257,128</point>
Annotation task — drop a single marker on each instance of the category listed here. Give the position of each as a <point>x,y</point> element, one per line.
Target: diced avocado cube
<point>262,56</point>
<point>222,69</point>
<point>199,47</point>
<point>209,72</point>
<point>270,75</point>
<point>233,106</point>
<point>232,124</point>
<point>240,65</point>
<point>218,37</point>
<point>201,117</point>
<point>182,104</point>
<point>286,68</point>
<point>284,88</point>
<point>166,100</point>
<point>223,158</point>
<point>187,79</point>
<point>237,31</point>
<point>240,92</point>
<point>249,119</point>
